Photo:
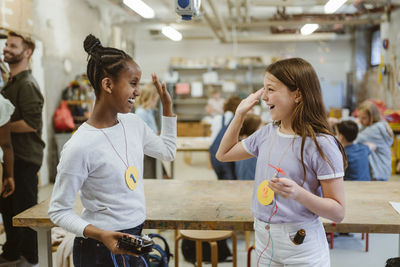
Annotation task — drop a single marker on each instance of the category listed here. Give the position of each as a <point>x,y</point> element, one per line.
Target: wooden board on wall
<point>17,15</point>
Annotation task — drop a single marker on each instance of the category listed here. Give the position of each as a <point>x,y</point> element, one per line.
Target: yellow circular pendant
<point>132,177</point>
<point>265,195</point>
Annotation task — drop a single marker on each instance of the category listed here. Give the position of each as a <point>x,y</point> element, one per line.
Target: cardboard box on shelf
<point>193,129</point>
<point>17,15</point>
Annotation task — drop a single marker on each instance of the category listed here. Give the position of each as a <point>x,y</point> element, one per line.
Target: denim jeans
<point>90,252</point>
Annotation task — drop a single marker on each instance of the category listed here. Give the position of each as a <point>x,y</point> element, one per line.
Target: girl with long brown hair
<point>300,167</point>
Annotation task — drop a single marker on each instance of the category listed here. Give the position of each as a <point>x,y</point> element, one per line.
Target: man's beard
<point>14,59</point>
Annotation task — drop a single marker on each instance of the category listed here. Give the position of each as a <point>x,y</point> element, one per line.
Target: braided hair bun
<point>91,43</point>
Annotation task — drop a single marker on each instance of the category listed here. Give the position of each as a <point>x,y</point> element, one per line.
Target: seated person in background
<point>245,169</point>
<point>357,154</point>
<point>215,103</point>
<point>376,130</point>
<point>219,121</point>
<point>224,170</point>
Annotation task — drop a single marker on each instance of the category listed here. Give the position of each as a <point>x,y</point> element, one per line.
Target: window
<point>376,46</point>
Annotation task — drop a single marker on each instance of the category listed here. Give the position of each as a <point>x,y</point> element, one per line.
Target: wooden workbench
<point>188,145</point>
<point>218,205</point>
<point>193,144</point>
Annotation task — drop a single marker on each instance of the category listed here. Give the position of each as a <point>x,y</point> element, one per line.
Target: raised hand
<point>248,103</point>
<point>164,96</point>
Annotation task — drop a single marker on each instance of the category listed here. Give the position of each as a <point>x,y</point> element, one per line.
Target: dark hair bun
<point>91,43</point>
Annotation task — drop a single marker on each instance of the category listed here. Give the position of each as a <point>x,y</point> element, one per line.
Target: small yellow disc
<point>265,195</point>
<point>132,177</point>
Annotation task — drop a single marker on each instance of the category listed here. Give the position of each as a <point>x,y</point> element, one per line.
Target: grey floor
<point>348,251</point>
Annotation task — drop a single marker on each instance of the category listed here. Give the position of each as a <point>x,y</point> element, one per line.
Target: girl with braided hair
<point>104,161</point>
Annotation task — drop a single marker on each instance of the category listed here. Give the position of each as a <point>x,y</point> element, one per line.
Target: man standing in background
<point>26,129</point>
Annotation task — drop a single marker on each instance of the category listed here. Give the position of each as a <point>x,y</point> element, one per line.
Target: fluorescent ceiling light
<point>333,5</point>
<point>141,8</point>
<point>171,33</point>
<point>308,29</point>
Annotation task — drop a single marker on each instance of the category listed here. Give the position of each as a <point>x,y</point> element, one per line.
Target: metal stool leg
<point>249,256</point>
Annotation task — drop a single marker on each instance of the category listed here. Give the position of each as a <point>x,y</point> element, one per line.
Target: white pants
<point>313,252</point>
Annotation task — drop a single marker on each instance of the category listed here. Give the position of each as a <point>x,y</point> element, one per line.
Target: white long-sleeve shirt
<point>89,163</point>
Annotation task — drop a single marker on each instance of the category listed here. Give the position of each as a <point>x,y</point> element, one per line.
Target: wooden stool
<point>211,237</point>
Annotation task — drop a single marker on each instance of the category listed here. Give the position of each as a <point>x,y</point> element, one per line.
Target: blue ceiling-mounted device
<point>188,8</point>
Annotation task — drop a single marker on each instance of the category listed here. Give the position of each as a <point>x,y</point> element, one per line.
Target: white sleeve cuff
<point>168,125</point>
<point>330,176</point>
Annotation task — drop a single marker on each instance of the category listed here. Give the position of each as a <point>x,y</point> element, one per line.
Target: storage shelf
<point>191,101</point>
<point>204,68</point>
<point>246,78</point>
<point>79,102</point>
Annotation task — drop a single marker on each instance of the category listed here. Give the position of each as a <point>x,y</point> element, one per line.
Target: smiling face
<point>126,88</point>
<point>279,98</point>
<point>15,51</point>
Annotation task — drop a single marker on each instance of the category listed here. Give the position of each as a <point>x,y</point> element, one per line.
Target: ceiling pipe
<point>246,11</point>
<point>229,4</point>
<point>237,7</point>
<point>211,25</point>
<point>221,22</point>
<point>307,2</point>
<point>269,23</point>
<point>273,38</point>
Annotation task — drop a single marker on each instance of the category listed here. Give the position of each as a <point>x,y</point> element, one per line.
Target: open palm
<point>164,96</point>
<point>249,102</point>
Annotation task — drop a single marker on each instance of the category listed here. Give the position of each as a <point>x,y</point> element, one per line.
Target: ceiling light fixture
<point>333,5</point>
<point>140,7</point>
<point>308,29</point>
<point>171,33</point>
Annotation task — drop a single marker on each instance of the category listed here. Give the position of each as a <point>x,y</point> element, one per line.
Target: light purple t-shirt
<point>286,150</point>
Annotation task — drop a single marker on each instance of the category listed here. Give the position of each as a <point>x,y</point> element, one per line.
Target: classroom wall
<point>391,57</point>
<point>331,59</point>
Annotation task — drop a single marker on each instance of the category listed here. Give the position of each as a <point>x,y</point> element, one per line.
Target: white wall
<point>391,57</point>
<point>331,60</point>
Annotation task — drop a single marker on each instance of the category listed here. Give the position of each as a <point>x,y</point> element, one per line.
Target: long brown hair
<point>309,117</point>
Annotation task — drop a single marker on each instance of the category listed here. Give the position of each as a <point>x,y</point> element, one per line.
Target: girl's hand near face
<point>285,187</point>
<point>164,96</point>
<point>248,103</point>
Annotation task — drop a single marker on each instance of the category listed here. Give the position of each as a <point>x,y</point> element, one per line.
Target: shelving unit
<point>247,78</point>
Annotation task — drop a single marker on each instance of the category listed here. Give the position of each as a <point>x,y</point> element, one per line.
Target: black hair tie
<point>97,43</point>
